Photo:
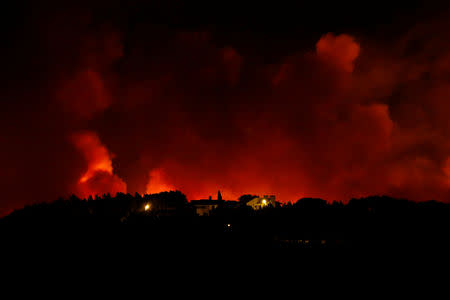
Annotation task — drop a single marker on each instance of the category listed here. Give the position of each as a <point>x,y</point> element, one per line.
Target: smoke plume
<point>99,178</point>
<point>347,115</point>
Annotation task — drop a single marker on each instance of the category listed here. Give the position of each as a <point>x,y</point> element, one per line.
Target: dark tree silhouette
<point>167,220</point>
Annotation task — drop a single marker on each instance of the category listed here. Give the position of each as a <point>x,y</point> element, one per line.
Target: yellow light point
<point>147,207</point>
<point>264,201</point>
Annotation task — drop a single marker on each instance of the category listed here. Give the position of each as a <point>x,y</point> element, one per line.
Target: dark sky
<point>296,99</point>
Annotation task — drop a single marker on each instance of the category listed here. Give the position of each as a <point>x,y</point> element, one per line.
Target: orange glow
<point>99,178</point>
<point>157,182</point>
<point>96,154</point>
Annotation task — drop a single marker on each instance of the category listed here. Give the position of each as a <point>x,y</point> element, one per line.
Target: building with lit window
<point>261,202</point>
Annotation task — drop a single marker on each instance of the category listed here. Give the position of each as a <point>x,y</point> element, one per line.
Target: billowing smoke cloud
<point>302,136</point>
<point>340,50</point>
<point>99,178</point>
<point>351,116</point>
<point>84,94</point>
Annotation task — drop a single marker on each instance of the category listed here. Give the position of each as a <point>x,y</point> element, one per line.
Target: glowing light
<point>147,207</point>
<point>84,178</point>
<point>264,201</point>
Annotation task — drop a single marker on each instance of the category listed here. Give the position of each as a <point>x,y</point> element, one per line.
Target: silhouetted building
<point>204,207</point>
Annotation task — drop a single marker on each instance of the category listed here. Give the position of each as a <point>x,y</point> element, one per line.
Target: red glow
<point>341,50</point>
<point>157,183</point>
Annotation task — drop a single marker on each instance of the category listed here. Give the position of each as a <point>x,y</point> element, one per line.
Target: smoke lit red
<point>345,116</point>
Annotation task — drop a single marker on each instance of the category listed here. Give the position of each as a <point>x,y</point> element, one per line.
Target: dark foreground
<point>118,227</point>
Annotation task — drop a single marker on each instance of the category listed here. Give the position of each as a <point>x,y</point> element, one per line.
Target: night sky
<point>298,100</point>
